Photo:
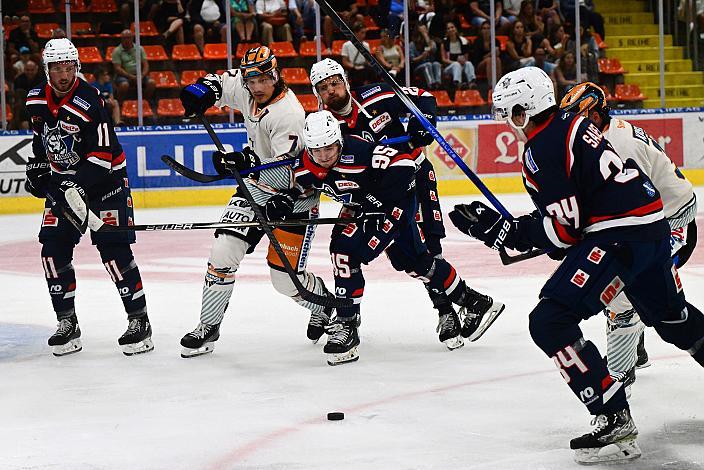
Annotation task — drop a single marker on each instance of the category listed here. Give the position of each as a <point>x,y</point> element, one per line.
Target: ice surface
<point>260,400</point>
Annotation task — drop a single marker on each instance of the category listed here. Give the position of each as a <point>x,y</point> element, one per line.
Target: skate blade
<point>454,343</point>
<point>138,348</point>
<point>491,316</point>
<point>205,349</point>
<point>644,365</point>
<point>617,452</point>
<point>342,358</point>
<point>71,347</point>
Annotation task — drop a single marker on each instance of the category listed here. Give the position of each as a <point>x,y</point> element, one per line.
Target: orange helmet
<point>584,98</point>
<point>258,61</point>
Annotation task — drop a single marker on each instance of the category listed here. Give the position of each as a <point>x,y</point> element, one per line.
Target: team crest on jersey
<point>530,162</point>
<point>59,147</point>
<point>70,128</point>
<point>347,159</point>
<point>78,101</point>
<point>596,255</point>
<point>379,122</point>
<point>34,92</point>
<point>366,94</point>
<point>343,185</point>
<point>579,278</point>
<point>110,217</point>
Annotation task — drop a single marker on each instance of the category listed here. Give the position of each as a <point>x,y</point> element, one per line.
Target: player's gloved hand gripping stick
<point>328,10</point>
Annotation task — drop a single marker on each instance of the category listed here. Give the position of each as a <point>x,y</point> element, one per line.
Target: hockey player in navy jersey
<point>75,149</point>
<point>373,112</point>
<point>372,178</point>
<point>606,218</point>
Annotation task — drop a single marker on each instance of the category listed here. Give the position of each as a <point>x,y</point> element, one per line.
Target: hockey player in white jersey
<point>274,120</point>
<point>624,329</point>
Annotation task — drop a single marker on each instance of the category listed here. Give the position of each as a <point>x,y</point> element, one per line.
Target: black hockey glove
<point>420,137</point>
<point>38,176</point>
<point>241,161</point>
<point>372,221</point>
<point>280,205</point>
<point>483,223</point>
<point>201,95</point>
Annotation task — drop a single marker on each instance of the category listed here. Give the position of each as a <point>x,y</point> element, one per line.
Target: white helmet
<point>528,87</point>
<point>60,50</point>
<point>324,69</point>
<point>321,130</point>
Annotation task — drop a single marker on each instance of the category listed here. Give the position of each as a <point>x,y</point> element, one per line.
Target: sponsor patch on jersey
<point>350,229</point>
<point>436,215</point>
<point>433,195</point>
<point>579,278</point>
<point>379,122</point>
<point>110,217</point>
<point>387,226</point>
<point>640,134</point>
<point>366,94</point>
<point>676,277</point>
<point>127,182</point>
<point>396,213</point>
<point>373,243</point>
<point>431,175</point>
<point>34,92</point>
<point>596,255</point>
<point>130,221</point>
<point>611,291</point>
<point>530,162</point>
<point>129,201</point>
<point>70,128</point>
<point>344,184</point>
<point>78,101</point>
<point>419,216</point>
<point>649,188</point>
<point>347,159</point>
<point>49,219</point>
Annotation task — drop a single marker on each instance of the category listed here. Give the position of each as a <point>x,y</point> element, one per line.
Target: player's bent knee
<point>56,255</point>
<point>548,328</point>
<point>227,251</point>
<point>282,283</point>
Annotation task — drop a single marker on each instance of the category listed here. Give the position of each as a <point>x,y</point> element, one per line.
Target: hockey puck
<point>336,416</point>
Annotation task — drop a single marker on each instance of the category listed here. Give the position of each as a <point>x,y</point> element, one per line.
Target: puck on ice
<point>336,416</point>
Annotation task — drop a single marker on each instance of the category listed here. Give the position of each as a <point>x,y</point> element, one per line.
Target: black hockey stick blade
<point>181,226</point>
<point>507,259</point>
<point>264,224</point>
<point>203,178</point>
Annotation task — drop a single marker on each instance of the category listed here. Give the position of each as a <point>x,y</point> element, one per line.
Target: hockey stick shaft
<point>203,178</point>
<point>66,214</point>
<point>264,224</point>
<point>176,227</point>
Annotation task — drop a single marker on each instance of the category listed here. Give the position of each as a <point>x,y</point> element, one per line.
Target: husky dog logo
<point>59,147</point>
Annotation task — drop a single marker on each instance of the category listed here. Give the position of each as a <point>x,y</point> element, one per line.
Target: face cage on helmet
<point>76,62</point>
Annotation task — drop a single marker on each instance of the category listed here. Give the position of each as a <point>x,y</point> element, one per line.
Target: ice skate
<point>613,440</point>
<point>67,339</point>
<point>317,324</point>
<point>138,337</point>
<point>200,341</point>
<point>449,330</point>
<point>475,308</point>
<point>643,361</point>
<point>343,340</point>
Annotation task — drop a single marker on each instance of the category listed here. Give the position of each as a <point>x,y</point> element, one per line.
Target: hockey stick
<point>266,226</point>
<point>328,10</point>
<point>203,178</point>
<point>71,217</point>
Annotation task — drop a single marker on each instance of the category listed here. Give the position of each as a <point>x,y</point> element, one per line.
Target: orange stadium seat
<point>89,77</point>
<point>44,29</point>
<point>41,6</point>
<point>502,40</point>
<point>295,76</point>
<point>146,28</point>
<point>170,107</point>
<point>337,46</point>
<point>185,52</point>
<point>82,29</point>
<point>77,6</point>
<point>599,41</point>
<point>216,51</point>
<point>442,98</point>
<point>8,111</point>
<point>374,44</point>
<point>129,109</point>
<point>370,24</point>
<point>464,24</point>
<point>164,79</point>
<point>108,53</point>
<point>244,47</point>
<point>90,55</point>
<point>309,103</point>
<point>611,67</point>
<point>307,49</point>
<point>155,53</point>
<point>471,39</point>
<point>8,28</point>
<point>214,111</point>
<point>190,76</point>
<point>103,6</point>
<point>469,98</point>
<point>628,93</point>
<point>283,49</point>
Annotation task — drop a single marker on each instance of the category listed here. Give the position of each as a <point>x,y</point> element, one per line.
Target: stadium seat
<point>283,49</point>
<point>129,109</point>
<point>170,107</point>
<point>190,76</point>
<point>374,44</point>
<point>146,29</point>
<point>337,47</point>
<point>41,6</point>
<point>464,24</point>
<point>155,53</point>
<point>309,103</point>
<point>8,28</point>
<point>469,98</point>
<point>244,47</point>
<point>77,6</point>
<point>295,76</point>
<point>216,51</point>
<point>89,77</point>
<point>502,40</point>
<point>599,41</point>
<point>8,111</point>
<point>185,52</point>
<point>90,55</point>
<point>628,93</point>
<point>370,24</point>
<point>471,39</point>
<point>103,6</point>
<point>214,111</point>
<point>82,30</point>
<point>609,96</point>
<point>442,98</point>
<point>611,67</point>
<point>44,29</point>
<point>164,79</point>
<point>307,49</point>
<point>108,53</point>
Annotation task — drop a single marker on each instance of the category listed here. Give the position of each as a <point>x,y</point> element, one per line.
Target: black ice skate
<point>343,340</point>
<point>317,324</point>
<point>200,341</point>
<point>642,362</point>
<point>138,337</point>
<point>613,440</point>
<point>475,308</point>
<point>449,330</point>
<point>67,339</point>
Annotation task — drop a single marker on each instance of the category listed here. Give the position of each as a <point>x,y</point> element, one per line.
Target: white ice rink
<point>260,401</point>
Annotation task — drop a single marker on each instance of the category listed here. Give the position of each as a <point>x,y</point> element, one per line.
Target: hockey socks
<point>60,277</point>
<point>119,263</point>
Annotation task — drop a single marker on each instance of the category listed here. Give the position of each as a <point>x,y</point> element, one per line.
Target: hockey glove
<point>73,198</point>
<point>280,205</point>
<point>38,175</point>
<point>420,137</point>
<point>483,223</point>
<point>201,95</point>
<point>241,161</point>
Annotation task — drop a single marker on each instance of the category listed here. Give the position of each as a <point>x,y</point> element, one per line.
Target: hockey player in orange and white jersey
<point>624,332</point>
<point>274,120</point>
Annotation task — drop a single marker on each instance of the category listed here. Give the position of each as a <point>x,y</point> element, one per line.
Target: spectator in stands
<point>454,55</point>
<point>395,18</point>
<point>511,9</point>
<point>302,17</point>
<point>532,23</point>
<point>208,20</point>
<point>147,11</point>
<point>389,54</point>
<point>124,61</point>
<point>480,10</point>
<point>588,17</point>
<point>273,20</point>
<point>30,78</point>
<point>590,55</point>
<point>22,36</point>
<point>354,63</point>
<point>243,15</point>
<point>541,62</point>
<point>104,86</point>
<point>566,73</point>
<point>519,48</point>
<point>347,9</point>
<point>549,11</point>
<point>423,52</point>
<point>480,52</point>
<point>169,20</point>
<point>23,59</point>
<point>58,33</point>
<point>557,43</point>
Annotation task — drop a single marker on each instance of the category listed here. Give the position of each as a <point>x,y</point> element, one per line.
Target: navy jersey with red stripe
<point>374,178</point>
<point>583,189</point>
<point>75,133</point>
